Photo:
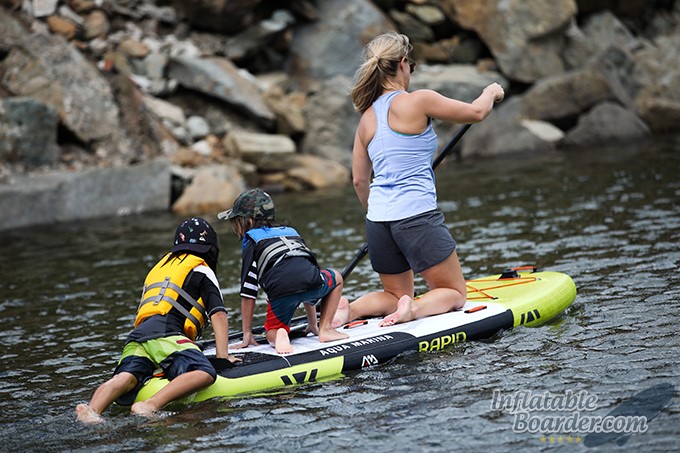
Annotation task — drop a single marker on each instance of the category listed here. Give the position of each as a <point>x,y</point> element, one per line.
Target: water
<point>610,218</point>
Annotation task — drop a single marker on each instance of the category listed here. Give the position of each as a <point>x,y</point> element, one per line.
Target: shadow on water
<point>610,218</point>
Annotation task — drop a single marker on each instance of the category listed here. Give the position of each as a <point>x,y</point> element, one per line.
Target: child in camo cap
<point>277,259</point>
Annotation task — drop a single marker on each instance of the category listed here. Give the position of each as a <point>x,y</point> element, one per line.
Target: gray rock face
<point>28,132</point>
<point>48,69</point>
<point>60,197</point>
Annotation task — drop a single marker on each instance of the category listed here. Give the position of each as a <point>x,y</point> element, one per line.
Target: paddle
<point>363,250</point>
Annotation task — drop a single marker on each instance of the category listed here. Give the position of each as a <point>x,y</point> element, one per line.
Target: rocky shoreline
<point>128,106</point>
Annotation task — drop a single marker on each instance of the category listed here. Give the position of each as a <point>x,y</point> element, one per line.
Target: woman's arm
<point>434,105</point>
<point>361,163</point>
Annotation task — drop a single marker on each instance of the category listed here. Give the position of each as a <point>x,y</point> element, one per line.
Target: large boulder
<point>220,78</point>
<point>607,123</point>
<point>331,122</point>
<point>524,36</point>
<point>219,16</point>
<point>46,68</point>
<point>28,132</point>
<point>63,196</point>
<point>332,45</point>
<point>213,189</point>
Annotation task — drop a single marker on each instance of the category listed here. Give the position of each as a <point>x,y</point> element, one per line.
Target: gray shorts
<point>417,243</point>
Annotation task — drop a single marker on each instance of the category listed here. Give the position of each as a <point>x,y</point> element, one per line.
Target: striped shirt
<point>249,285</point>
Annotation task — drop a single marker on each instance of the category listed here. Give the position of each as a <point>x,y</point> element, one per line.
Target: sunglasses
<point>411,65</point>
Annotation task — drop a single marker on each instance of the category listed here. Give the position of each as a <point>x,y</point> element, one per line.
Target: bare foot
<point>341,314</point>
<point>327,335</point>
<point>144,409</point>
<point>85,414</point>
<point>282,344</point>
<point>403,313</point>
<point>313,328</point>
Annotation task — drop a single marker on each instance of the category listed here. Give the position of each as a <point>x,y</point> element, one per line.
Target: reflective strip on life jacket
<point>288,243</point>
<point>163,289</point>
<point>161,296</point>
<point>285,247</point>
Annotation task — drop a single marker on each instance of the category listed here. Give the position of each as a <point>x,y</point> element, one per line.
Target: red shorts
<point>280,311</point>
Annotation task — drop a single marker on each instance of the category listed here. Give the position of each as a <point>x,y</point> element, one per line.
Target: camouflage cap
<point>253,204</point>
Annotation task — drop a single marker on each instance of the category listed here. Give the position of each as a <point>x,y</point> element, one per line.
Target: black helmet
<point>195,235</point>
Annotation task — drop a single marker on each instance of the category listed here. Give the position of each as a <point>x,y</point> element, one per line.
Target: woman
<point>396,142</point>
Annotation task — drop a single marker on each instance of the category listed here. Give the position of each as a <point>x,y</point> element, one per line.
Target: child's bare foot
<point>341,314</point>
<point>327,335</point>
<point>282,344</point>
<point>144,409</point>
<point>313,328</point>
<point>85,414</point>
<point>403,313</point>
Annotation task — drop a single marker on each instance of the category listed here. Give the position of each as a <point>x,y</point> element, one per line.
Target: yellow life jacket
<point>162,289</point>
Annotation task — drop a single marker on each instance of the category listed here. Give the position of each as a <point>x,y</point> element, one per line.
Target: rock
<point>312,172</point>
<point>263,36</point>
<point>49,70</point>
<point>507,131</point>
<point>607,78</point>
<point>197,126</point>
<point>430,15</point>
<point>255,148</point>
<point>525,36</point>
<point>44,8</point>
<point>225,16</point>
<point>606,123</point>
<point>457,49</point>
<point>331,122</point>
<point>28,132</point>
<point>412,27</point>
<point>61,197</point>
<point>213,189</point>
<point>133,48</point>
<point>96,25</point>
<point>660,113</point>
<point>189,157</point>
<point>656,66</point>
<point>332,45</point>
<point>167,112</point>
<point>219,77</point>
<point>62,26</point>
<point>543,130</point>
<point>146,136</point>
<point>31,200</point>
<point>289,109</point>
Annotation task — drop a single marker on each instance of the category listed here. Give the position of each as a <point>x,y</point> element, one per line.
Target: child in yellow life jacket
<point>180,294</point>
<point>276,258</point>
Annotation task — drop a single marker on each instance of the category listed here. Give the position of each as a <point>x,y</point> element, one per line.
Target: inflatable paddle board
<point>493,304</point>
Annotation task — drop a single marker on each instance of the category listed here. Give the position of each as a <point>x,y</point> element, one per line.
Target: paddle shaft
<point>363,250</point>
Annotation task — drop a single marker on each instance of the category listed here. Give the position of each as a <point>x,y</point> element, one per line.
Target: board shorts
<point>416,243</point>
<point>175,355</point>
<point>280,311</point>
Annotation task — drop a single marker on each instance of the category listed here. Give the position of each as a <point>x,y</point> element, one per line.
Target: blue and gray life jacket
<point>273,245</point>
